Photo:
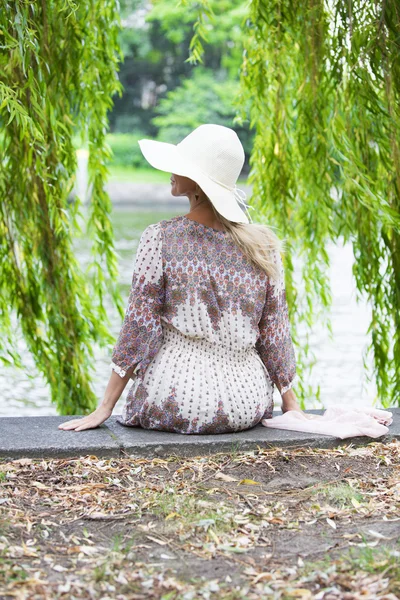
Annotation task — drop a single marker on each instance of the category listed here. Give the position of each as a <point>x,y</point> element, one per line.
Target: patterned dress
<point>206,330</point>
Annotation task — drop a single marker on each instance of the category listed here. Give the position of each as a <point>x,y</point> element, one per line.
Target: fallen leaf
<point>248,482</point>
<point>64,588</point>
<point>59,568</point>
<point>98,516</point>
<point>365,545</point>
<point>73,549</point>
<point>39,485</point>
<point>156,540</point>
<point>224,477</point>
<point>243,540</point>
<point>213,536</point>
<point>121,578</point>
<point>299,593</point>
<point>89,550</point>
<point>262,576</point>
<point>378,535</point>
<point>331,523</point>
<point>276,520</point>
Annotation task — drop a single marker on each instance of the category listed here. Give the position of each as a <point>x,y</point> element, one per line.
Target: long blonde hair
<point>258,242</point>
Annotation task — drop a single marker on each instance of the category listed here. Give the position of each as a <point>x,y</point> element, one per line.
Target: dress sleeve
<point>141,332</point>
<point>274,343</point>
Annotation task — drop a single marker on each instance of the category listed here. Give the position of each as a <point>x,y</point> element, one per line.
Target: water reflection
<point>338,370</point>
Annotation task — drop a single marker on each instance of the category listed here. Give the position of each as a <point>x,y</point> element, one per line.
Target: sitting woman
<point>206,333</point>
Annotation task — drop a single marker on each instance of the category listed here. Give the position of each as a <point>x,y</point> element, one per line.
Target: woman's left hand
<point>91,421</point>
<point>289,402</point>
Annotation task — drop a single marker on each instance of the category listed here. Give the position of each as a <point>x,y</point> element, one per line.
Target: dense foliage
<point>165,95</point>
<point>58,62</point>
<point>322,83</point>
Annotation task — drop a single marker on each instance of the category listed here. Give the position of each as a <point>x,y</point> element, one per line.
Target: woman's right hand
<point>91,421</point>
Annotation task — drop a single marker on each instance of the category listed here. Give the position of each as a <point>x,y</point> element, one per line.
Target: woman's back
<point>211,289</point>
<point>207,329</point>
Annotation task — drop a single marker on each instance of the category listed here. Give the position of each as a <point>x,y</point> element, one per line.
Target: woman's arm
<point>274,343</point>
<point>115,387</point>
<point>141,332</point>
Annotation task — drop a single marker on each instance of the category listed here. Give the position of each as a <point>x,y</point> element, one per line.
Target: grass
<point>14,572</point>
<point>341,493</point>
<point>186,512</point>
<point>380,561</point>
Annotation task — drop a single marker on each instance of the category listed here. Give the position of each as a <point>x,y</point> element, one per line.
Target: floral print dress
<point>206,330</point>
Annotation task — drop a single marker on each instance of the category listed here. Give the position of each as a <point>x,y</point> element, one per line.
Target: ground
<point>271,523</point>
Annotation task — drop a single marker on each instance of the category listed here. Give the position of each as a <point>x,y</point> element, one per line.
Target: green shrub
<point>126,150</point>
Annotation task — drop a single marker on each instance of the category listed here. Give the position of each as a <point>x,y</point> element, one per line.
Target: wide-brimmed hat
<point>213,157</point>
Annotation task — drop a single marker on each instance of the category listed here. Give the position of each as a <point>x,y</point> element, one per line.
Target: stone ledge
<point>39,437</point>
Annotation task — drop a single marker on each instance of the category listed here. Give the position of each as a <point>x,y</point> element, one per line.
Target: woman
<point>206,333</point>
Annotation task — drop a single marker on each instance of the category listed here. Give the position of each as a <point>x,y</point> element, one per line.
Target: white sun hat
<point>213,157</point>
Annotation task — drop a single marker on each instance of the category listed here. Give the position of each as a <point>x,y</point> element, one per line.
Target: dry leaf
<point>156,540</point>
<point>365,545</point>
<point>378,535</point>
<point>224,477</point>
<point>276,520</point>
<point>39,485</point>
<point>89,550</point>
<point>214,536</point>
<point>331,523</point>
<point>299,593</point>
<point>262,576</point>
<point>59,568</point>
<point>248,482</point>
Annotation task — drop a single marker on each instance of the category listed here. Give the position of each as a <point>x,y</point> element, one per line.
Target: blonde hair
<point>258,242</point>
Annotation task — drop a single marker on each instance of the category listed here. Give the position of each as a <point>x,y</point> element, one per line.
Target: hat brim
<point>167,157</point>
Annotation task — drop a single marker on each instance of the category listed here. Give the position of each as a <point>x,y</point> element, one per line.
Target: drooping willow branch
<point>58,66</point>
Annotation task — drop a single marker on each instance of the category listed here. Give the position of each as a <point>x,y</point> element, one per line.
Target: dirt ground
<point>272,523</point>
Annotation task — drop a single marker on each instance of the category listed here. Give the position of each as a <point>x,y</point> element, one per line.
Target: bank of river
<point>339,362</point>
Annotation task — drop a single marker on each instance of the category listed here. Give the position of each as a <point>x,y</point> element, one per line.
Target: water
<point>338,370</point>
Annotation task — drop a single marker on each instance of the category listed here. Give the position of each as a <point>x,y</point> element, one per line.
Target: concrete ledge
<point>39,437</point>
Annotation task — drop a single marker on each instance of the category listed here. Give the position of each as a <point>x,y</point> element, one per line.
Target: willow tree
<point>320,86</point>
<point>58,67</point>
